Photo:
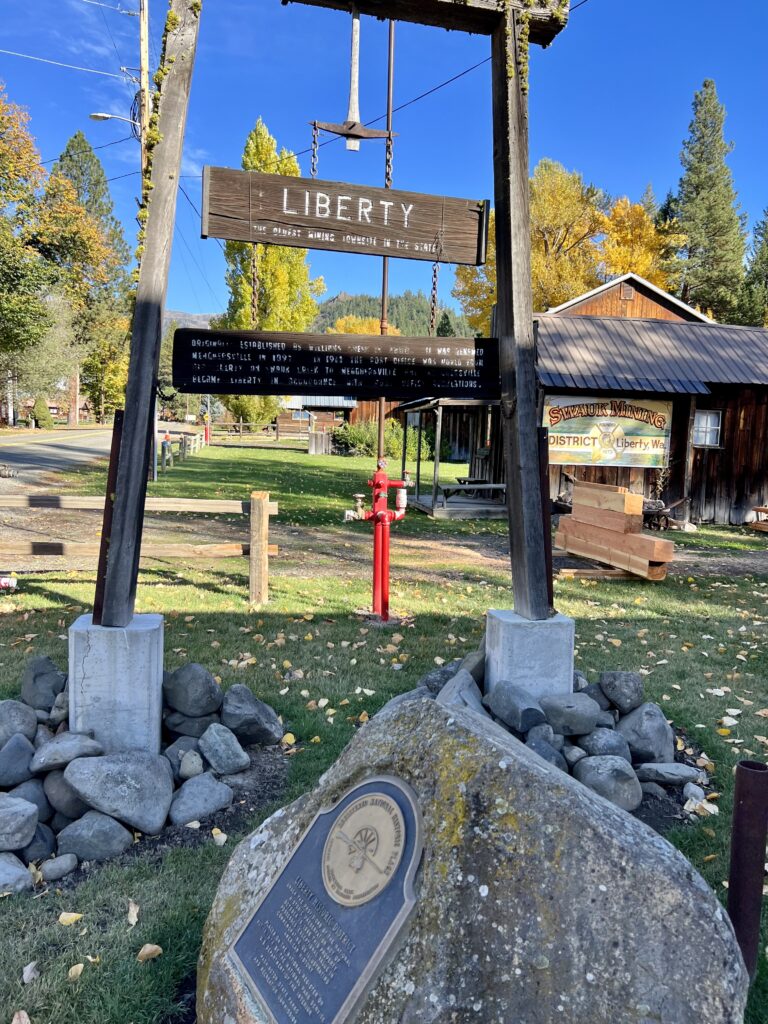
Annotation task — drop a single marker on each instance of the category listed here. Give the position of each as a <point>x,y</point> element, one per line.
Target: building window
<point>706,428</point>
<point>302,416</point>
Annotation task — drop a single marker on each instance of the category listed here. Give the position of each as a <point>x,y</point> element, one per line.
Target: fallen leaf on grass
<point>315,739</point>
<point>133,914</point>
<point>762,713</point>
<point>710,857</point>
<point>192,824</point>
<point>219,837</point>
<point>21,1017</point>
<point>148,952</point>
<point>93,959</point>
<point>67,919</point>
<point>30,973</point>
<point>439,661</point>
<point>363,716</point>
<point>74,972</point>
<point>288,740</point>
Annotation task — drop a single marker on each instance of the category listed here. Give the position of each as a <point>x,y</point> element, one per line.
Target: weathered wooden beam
<point>514,322</point>
<point>125,545</point>
<point>547,17</point>
<point>83,549</point>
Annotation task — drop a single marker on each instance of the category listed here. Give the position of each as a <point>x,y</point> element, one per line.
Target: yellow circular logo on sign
<point>363,850</point>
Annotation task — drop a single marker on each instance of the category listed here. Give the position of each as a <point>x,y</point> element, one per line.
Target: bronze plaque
<point>305,213</point>
<point>317,940</point>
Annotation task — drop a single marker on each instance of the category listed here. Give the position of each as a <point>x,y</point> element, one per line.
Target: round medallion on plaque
<point>363,850</point>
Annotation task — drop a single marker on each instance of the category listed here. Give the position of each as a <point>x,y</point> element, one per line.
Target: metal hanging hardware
<point>353,130</point>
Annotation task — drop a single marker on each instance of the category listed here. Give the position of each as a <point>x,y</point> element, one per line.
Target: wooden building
<point>639,390</point>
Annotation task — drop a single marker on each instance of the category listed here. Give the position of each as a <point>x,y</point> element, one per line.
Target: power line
<point>128,175</point>
<point>184,193</point>
<point>114,142</point>
<point>109,7</point>
<point>59,64</point>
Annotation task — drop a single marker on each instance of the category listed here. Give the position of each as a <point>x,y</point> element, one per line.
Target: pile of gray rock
<point>605,734</point>
<point>64,800</point>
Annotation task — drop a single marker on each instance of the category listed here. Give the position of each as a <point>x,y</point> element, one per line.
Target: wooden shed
<point>638,390</point>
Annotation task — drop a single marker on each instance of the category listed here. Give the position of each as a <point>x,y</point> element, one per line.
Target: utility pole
<point>387,184</point>
<point>144,97</point>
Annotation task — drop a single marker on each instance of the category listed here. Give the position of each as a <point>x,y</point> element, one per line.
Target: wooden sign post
<point>511,24</point>
<point>146,330</point>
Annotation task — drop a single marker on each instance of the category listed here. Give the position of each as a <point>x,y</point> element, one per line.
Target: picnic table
<point>470,488</point>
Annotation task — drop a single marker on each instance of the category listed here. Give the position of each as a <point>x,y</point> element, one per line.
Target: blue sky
<point>610,98</point>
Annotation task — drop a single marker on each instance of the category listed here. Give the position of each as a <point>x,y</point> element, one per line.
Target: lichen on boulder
<point>537,900</point>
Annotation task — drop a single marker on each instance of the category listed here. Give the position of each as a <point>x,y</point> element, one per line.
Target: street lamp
<point>99,116</point>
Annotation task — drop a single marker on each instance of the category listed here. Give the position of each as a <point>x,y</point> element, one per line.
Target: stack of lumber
<point>607,526</point>
<point>760,524</point>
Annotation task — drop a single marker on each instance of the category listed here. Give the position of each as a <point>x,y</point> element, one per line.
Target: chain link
<point>389,176</point>
<point>315,149</point>
<point>433,300</point>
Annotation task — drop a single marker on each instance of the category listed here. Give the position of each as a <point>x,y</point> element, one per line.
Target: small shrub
<point>363,439</point>
<point>41,415</point>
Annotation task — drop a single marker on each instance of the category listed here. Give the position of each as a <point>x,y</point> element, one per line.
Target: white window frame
<point>708,428</point>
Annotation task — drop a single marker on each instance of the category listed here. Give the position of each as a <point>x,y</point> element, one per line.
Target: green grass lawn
<point>701,642</point>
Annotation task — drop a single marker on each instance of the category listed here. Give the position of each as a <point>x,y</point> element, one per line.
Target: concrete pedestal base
<point>116,683</point>
<point>537,655</point>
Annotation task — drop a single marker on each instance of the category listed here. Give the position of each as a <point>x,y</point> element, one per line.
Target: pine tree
<point>709,212</point>
<point>752,308</point>
<point>285,293</point>
<point>445,327</point>
<point>79,163</point>
<point>648,202</point>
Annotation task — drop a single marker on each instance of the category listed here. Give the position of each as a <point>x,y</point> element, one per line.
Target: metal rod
<point>106,524</point>
<point>387,184</point>
<point>353,113</point>
<point>748,838</point>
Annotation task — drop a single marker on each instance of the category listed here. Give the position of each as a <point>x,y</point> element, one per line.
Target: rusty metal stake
<point>748,838</point>
<point>106,526</point>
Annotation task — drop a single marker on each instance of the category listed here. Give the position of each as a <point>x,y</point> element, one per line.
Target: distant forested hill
<point>409,312</point>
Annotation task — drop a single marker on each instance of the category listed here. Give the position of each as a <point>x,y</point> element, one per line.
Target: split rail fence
<point>257,550</point>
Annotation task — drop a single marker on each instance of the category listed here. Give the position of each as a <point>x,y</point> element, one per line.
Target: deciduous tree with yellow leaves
<point>360,325</point>
<point>634,243</point>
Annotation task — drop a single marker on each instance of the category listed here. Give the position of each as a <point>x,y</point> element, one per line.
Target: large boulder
<point>192,690</point>
<point>16,717</point>
<point>612,777</point>
<point>571,714</point>
<point>648,734</point>
<point>95,836</point>
<point>624,690</point>
<point>532,901</point>
<point>249,718</point>
<point>18,821</point>
<point>136,787</point>
<point>63,749</point>
<point>42,683</point>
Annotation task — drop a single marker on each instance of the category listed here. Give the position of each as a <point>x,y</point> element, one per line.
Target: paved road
<point>51,450</point>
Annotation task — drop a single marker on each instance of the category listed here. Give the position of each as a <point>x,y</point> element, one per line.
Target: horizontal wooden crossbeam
<point>77,549</point>
<point>75,502</point>
<point>548,17</point>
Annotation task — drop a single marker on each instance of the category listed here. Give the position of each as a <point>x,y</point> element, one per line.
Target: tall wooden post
<point>259,560</point>
<point>130,493</point>
<point>514,320</point>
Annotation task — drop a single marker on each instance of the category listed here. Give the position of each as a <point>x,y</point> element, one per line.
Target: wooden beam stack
<point>607,525</point>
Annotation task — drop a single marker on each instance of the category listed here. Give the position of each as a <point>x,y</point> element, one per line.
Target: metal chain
<point>389,174</point>
<point>315,149</point>
<point>255,286</point>
<point>433,300</point>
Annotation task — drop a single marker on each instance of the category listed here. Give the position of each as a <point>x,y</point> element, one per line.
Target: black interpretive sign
<point>316,942</point>
<point>348,365</point>
<point>305,213</point>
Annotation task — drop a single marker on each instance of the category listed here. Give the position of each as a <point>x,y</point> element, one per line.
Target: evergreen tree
<point>285,292</point>
<point>445,327</point>
<point>648,202</point>
<point>709,213</point>
<point>752,307</point>
<point>80,164</point>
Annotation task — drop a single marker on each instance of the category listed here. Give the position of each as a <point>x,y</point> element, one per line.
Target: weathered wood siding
<point>728,481</point>
<point>628,300</point>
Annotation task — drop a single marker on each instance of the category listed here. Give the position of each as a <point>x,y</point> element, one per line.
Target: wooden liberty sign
<point>352,365</point>
<point>305,213</point>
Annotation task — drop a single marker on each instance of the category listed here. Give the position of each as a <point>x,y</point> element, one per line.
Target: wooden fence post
<point>259,560</point>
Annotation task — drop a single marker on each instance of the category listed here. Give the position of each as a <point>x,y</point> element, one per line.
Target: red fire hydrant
<point>382,517</point>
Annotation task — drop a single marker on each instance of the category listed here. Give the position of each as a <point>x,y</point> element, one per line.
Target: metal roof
<point>623,354</point>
